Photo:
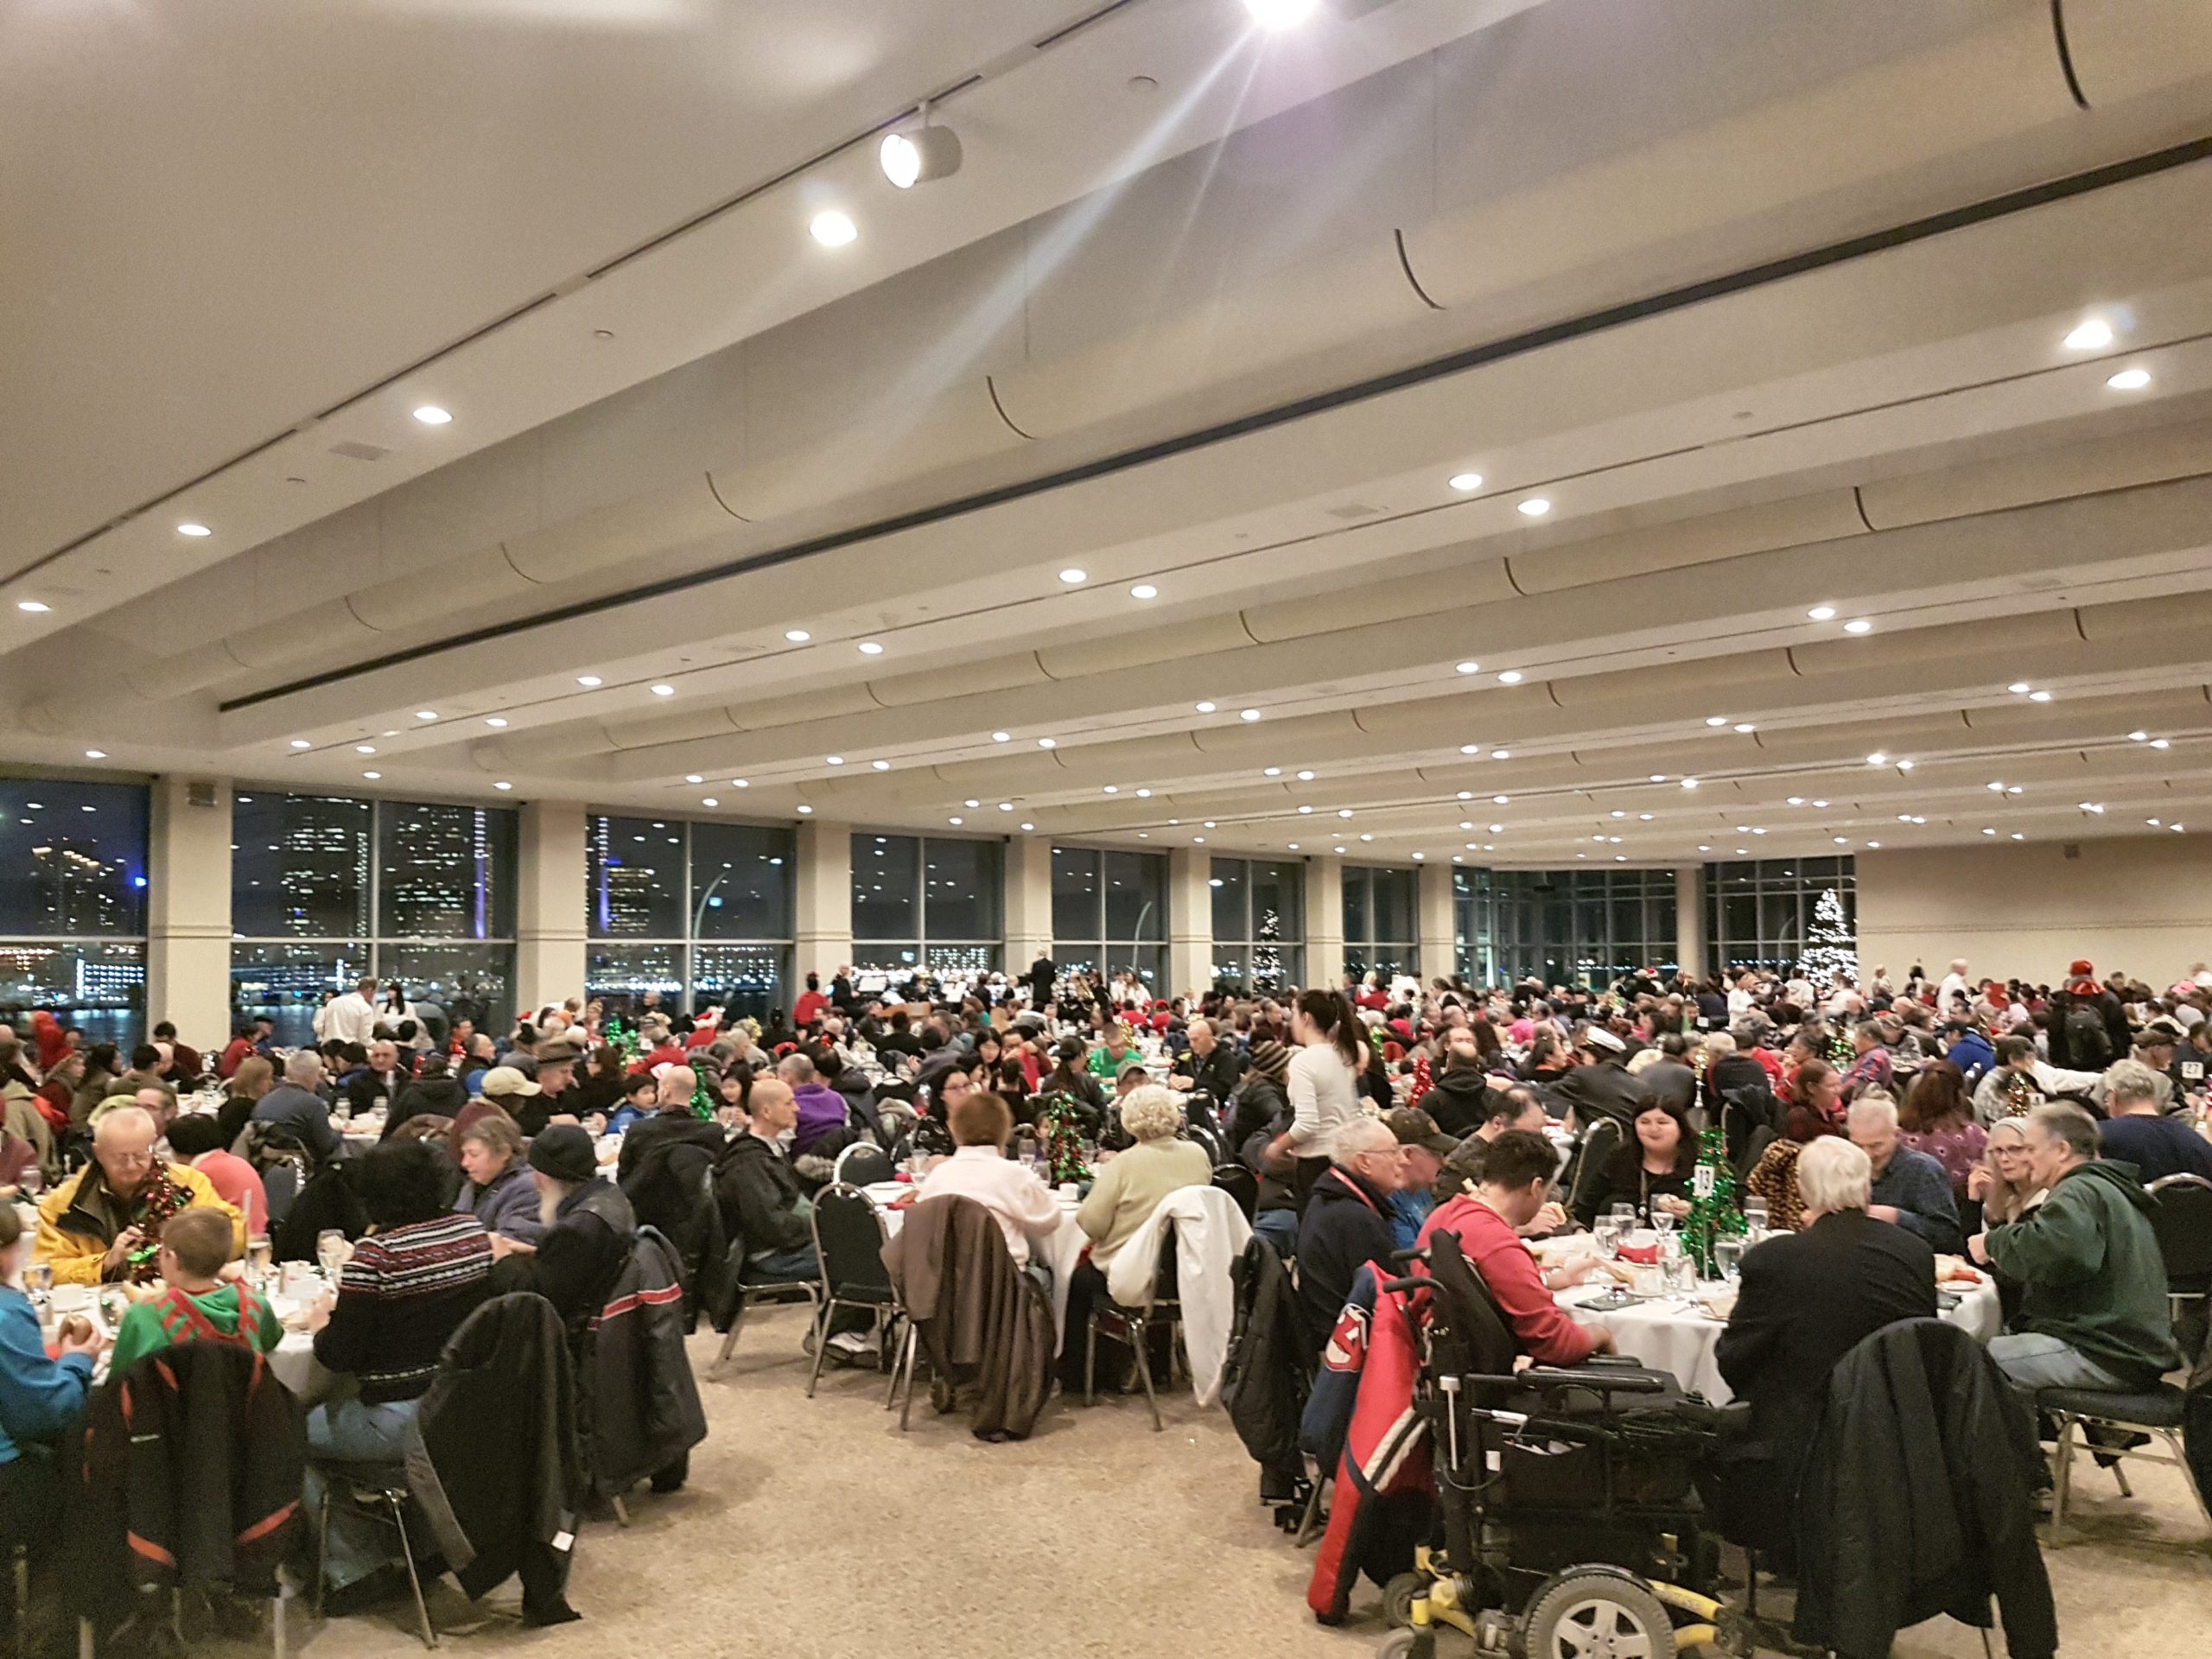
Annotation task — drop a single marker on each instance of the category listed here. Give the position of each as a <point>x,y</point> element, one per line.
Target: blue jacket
<point>508,1205</point>
<point>1408,1210</point>
<point>1972,1055</point>
<point>42,1399</point>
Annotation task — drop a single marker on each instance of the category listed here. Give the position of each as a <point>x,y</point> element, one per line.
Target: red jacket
<point>811,1007</point>
<point>1495,1252</point>
<point>1386,1452</point>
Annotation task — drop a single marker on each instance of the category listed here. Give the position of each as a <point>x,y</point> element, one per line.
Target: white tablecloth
<point>1674,1335</point>
<point>292,1362</point>
<point>1061,1250</point>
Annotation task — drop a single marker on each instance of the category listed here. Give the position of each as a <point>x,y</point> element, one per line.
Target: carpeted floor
<point>812,1530</point>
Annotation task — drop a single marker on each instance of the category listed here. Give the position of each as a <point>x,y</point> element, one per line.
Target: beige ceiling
<point>1770,304</point>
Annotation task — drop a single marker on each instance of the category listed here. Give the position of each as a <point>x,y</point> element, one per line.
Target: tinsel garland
<point>2017,1095</point>
<point>1714,1213</point>
<point>623,1042</point>
<point>1842,1053</point>
<point>702,1100</point>
<point>1063,1141</point>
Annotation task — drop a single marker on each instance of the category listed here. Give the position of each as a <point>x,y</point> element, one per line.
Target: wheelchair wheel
<point>1399,1596</point>
<point>1408,1644</point>
<point>1597,1614</point>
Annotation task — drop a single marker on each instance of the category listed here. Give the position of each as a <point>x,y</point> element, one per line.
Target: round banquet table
<point>1675,1334</point>
<point>1061,1250</point>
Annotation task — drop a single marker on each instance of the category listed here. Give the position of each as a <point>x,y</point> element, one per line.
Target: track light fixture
<point>917,155</point>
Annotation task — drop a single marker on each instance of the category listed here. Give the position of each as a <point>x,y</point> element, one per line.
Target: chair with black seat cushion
<point>1198,1134</point>
<point>2158,1412</point>
<point>848,1238</point>
<point>1133,1326</point>
<point>1241,1184</point>
<point>2182,1222</point>
<point>863,1163</point>
<point>1600,1142</point>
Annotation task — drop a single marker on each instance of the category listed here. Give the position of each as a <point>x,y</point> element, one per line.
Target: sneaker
<point>851,1343</point>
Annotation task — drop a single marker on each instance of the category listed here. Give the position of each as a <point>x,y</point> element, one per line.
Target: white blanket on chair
<point>1211,1232</point>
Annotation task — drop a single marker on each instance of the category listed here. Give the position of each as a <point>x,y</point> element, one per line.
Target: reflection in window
<point>285,982</point>
<point>1759,913</point>
<point>1381,936</point>
<point>1109,913</point>
<point>299,867</point>
<point>1562,927</point>
<point>699,912</point>
<point>73,904</point>
<point>925,902</point>
<point>1259,912</point>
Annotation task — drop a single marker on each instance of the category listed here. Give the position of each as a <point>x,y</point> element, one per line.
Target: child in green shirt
<point>198,1307</point>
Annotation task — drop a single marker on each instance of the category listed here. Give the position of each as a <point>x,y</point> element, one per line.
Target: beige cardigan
<point>1130,1188</point>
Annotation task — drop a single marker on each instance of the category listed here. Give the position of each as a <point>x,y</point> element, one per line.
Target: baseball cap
<point>506,1080</point>
<point>1416,1127</point>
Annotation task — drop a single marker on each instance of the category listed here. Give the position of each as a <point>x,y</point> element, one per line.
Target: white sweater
<point>1322,1098</point>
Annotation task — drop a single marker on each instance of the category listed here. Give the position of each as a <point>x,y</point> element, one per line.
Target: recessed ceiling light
<point>1468,668</point>
<point>1822,613</point>
<point>1840,841</point>
<point>302,743</point>
<point>365,749</point>
<point>1646,818</point>
<point>953,821</point>
<point>2019,687</point>
<point>1905,766</point>
<point>1745,726</point>
<point>1465,482</point>
<point>806,810</point>
<point>870,648</point>
<point>1144,794</point>
<point>1367,837</point>
<point>1797,800</point>
<point>1511,676</point>
<point>1001,737</point>
<point>1716,719</point>
<point>1535,507</point>
<point>2017,835</point>
<point>372,775</point>
<point>1074,577</point>
<point>589,680</point>
<point>1048,743</point>
<point>1470,748</point>
<point>494,720</point>
<point>693,778</point>
<point>95,754</point>
<point>1203,708</point>
<point>2090,334</point>
<point>1501,754</point>
<point>1873,844</point>
<point>1271,772</point>
<point>797,636</point>
<point>1704,848</point>
<point>835,759</point>
<point>1498,829</point>
<point>1029,826</point>
<point>739,783</point>
<point>1467,824</point>
<point>1501,800</point>
<point>2160,743</point>
<point>1211,824</point>
<point>2038,696</point>
<point>1877,758</point>
<point>2139,737</point>
<point>1304,777</point>
<point>1248,714</point>
<point>709,801</point>
<point>1144,590</point>
<point>1343,812</point>
<point>32,605</point>
<point>1113,789</point>
<point>1305,808</point>
<point>1689,783</point>
<point>2130,380</point>
<point>1819,803</point>
<point>880,765</point>
<point>1658,777</point>
<point>664,690</point>
<point>431,415</point>
<point>503,784</point>
<point>194,530</point>
<point>1859,625</point>
<point>833,229</point>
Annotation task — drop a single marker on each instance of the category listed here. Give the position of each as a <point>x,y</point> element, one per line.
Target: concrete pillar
<point>551,902</point>
<point>1190,921</point>
<point>1689,919</point>
<point>189,909</point>
<point>1440,954</point>
<point>822,914</point>
<point>1028,900</point>
<point>1325,922</point>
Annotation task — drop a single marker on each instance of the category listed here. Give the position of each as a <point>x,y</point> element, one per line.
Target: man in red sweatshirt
<point>1516,1179</point>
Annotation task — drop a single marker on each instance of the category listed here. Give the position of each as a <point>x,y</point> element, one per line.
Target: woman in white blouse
<point>1323,1084</point>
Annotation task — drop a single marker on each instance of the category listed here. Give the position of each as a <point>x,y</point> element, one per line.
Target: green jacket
<point>2094,1276</point>
<point>149,1327</point>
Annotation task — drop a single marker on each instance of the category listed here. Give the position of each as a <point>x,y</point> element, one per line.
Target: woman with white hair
<point>1126,1193</point>
<point>1806,1300</point>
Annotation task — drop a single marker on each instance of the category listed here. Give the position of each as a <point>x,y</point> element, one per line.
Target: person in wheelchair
<point>1516,1177</point>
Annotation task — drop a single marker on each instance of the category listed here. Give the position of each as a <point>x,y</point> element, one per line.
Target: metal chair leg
<point>2119,1474</point>
<point>2180,1455</point>
<point>729,1340</point>
<point>84,1639</point>
<point>621,1510</point>
<point>1141,1332</point>
<point>906,1401</point>
<point>413,1579</point>
<point>900,1337</point>
<point>1091,1360</point>
<point>821,1347</point>
<point>276,1616</point>
<point>1313,1516</point>
<point>2064,1478</point>
<point>322,1547</point>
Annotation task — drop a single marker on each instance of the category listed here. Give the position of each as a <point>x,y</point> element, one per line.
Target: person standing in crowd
<point>1322,1083</point>
<point>2093,1313</point>
<point>352,1018</point>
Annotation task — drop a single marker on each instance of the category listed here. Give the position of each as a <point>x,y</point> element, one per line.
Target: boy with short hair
<point>199,1306</point>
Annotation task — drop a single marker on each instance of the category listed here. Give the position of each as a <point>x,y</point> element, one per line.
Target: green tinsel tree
<point>622,1041</point>
<point>1063,1141</point>
<point>1714,1211</point>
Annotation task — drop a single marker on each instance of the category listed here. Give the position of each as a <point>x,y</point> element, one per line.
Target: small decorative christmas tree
<point>1063,1141</point>
<point>1714,1212</point>
<point>702,1100</point>
<point>1832,953</point>
<point>2017,1095</point>
<point>622,1041</point>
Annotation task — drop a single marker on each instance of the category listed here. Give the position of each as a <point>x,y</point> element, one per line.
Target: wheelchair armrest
<point>1592,1378</point>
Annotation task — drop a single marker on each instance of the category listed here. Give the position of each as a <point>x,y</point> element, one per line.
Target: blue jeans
<point>2038,1361</point>
<point>785,1266</point>
<point>346,1431</point>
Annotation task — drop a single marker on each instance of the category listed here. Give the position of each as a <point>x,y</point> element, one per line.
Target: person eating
<point>1653,1172</point>
<point>104,1224</point>
<point>1516,1184</point>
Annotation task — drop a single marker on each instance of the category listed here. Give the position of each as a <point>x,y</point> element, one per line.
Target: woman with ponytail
<point>1323,1084</point>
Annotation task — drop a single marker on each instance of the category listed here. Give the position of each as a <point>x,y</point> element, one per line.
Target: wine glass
<point>1607,1232</point>
<point>331,1249</point>
<point>258,1257</point>
<point>31,1182</point>
<point>1728,1258</point>
<point>1662,1221</point>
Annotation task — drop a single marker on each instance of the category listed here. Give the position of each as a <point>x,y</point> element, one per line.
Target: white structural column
<point>1325,922</point>
<point>189,909</point>
<point>1689,919</point>
<point>823,912</point>
<point>551,904</point>
<point>1440,953</point>
<point>1190,921</point>
<point>1028,928</point>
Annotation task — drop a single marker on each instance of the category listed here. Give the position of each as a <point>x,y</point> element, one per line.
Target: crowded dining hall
<point>1343,827</point>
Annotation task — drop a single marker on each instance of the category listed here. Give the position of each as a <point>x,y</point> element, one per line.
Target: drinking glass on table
<point>332,1249</point>
<point>1624,1216</point>
<point>1728,1258</point>
<point>31,1182</point>
<point>1662,1221</point>
<point>258,1257</point>
<point>1607,1232</point>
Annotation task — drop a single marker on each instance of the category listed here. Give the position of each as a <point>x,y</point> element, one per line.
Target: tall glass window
<point>325,889</point>
<point>1562,927</point>
<point>1110,912</point>
<point>72,904</point>
<point>699,912</point>
<point>1759,913</point>
<point>1382,930</point>
<point>1259,925</point>
<point>926,902</point>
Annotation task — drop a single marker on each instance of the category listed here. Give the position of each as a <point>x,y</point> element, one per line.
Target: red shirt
<point>233,1056</point>
<point>1495,1252</point>
<point>812,1005</point>
<point>238,1185</point>
<point>703,1037</point>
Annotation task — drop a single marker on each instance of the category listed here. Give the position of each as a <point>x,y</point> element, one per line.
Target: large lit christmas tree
<point>1267,961</point>
<point>1831,953</point>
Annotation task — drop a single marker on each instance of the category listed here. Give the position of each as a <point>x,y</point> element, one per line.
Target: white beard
<point>548,1207</point>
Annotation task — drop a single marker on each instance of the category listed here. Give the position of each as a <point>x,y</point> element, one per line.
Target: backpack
<point>2089,1045</point>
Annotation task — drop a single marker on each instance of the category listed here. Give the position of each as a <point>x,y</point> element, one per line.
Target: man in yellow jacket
<point>90,1227</point>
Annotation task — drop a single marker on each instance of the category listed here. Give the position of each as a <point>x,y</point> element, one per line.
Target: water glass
<point>331,1249</point>
<point>1607,1232</point>
<point>1662,1221</point>
<point>1625,1215</point>
<point>1755,1215</point>
<point>1728,1258</point>
<point>31,1182</point>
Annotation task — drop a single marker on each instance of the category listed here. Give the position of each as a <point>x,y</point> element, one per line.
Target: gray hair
<point>1360,1134</point>
<point>118,1118</point>
<point>1872,1110</point>
<point>2132,1080</point>
<point>2069,1124</point>
<point>1718,1043</point>
<point>304,1067</point>
<point>1151,1112</point>
<point>1834,1176</point>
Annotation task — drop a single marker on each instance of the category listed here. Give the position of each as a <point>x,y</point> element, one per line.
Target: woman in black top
<point>1654,1171</point>
<point>603,1091</point>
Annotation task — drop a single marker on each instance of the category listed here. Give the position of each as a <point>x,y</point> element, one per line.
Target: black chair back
<point>1201,1135</point>
<point>1200,1107</point>
<point>849,1235</point>
<point>2182,1223</point>
<point>1242,1185</point>
<point>1755,1149</point>
<point>1600,1143</point>
<point>863,1163</point>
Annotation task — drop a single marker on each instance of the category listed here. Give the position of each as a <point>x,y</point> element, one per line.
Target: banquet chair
<point>2182,1222</point>
<point>1241,1184</point>
<point>863,1163</point>
<point>2158,1412</point>
<point>1600,1142</point>
<point>743,1294</point>
<point>848,1239</point>
<point>379,1490</point>
<point>1207,1140</point>
<point>1133,1326</point>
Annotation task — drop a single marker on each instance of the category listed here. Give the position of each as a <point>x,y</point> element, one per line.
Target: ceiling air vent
<point>200,795</point>
<point>353,451</point>
<point>2072,849</point>
<point>1352,510</point>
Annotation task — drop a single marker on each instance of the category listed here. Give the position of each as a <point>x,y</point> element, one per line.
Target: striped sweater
<point>401,1296</point>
